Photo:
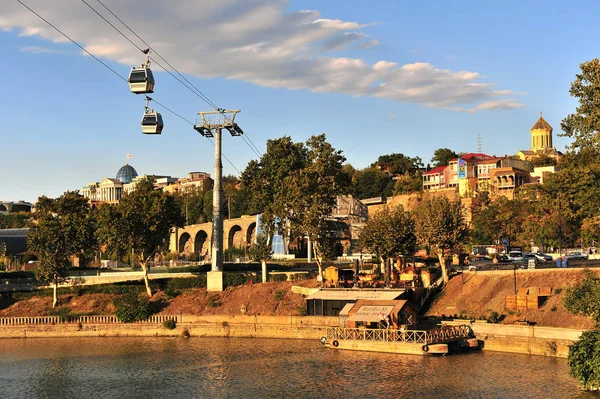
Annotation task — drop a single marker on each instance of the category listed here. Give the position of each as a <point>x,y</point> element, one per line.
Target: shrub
<point>494,317</point>
<point>175,284</point>
<point>63,312</point>
<point>584,360</point>
<point>131,307</point>
<point>171,293</point>
<point>584,298</point>
<point>278,277</point>
<point>185,333</point>
<point>169,324</point>
<point>279,295</point>
<point>558,291</point>
<point>300,310</point>
<point>553,309</point>
<point>234,279</point>
<point>213,301</point>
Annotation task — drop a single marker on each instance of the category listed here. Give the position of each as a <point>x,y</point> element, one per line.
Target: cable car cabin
<point>152,122</point>
<point>141,80</point>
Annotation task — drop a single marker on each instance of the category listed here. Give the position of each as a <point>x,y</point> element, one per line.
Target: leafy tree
<point>312,192</point>
<point>543,159</point>
<point>584,298</point>
<point>440,226</point>
<point>372,182</point>
<point>15,220</point>
<point>584,360</point>
<point>62,227</point>
<point>406,184</point>
<point>192,207</point>
<point>141,222</point>
<point>584,124</point>
<point>261,251</point>
<point>398,164</point>
<point>442,156</point>
<point>389,234</point>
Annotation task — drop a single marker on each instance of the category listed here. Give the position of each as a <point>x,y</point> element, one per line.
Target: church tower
<point>541,135</point>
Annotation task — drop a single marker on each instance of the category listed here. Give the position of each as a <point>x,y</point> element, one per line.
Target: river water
<point>259,368</point>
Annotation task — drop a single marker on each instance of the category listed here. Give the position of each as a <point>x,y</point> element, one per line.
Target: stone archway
<point>200,243</point>
<point>183,240</point>
<point>235,238</point>
<point>251,234</point>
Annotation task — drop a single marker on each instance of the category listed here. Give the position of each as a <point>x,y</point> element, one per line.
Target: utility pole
<point>211,125</point>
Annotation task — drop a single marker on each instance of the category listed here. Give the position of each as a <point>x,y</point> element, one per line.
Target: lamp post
<point>209,127</point>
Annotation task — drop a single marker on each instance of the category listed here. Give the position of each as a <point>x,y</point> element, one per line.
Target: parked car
<point>529,255</point>
<point>577,255</point>
<point>543,257</point>
<point>515,256</point>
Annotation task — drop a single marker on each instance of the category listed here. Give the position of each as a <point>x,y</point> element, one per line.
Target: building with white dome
<point>110,190</point>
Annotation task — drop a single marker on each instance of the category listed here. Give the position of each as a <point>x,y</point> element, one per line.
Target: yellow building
<point>541,142</point>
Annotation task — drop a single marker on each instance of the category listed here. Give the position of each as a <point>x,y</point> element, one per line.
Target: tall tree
<point>264,183</point>
<point>583,126</point>
<point>62,227</point>
<point>442,156</point>
<point>398,164</point>
<point>440,226</point>
<point>141,222</point>
<point>389,233</point>
<point>372,182</point>
<point>312,192</point>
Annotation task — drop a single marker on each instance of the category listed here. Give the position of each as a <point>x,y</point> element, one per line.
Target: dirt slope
<point>485,292</point>
<point>272,298</point>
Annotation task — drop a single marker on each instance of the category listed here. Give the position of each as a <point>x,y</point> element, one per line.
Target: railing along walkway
<point>96,319</point>
<point>437,336</point>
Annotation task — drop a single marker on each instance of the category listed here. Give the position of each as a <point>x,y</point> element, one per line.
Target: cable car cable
<point>193,88</point>
<point>112,70</point>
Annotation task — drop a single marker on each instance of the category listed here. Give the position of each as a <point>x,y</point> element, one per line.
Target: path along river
<point>253,368</point>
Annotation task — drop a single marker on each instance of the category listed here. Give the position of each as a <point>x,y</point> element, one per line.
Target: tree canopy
<point>442,156</point>
<point>583,125</point>
<point>62,227</point>
<point>440,226</point>
<point>141,223</point>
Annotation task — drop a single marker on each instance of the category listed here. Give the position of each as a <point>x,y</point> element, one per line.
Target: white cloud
<point>37,50</point>
<point>258,42</point>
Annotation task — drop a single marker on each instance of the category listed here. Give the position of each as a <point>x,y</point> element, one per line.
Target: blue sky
<point>377,77</point>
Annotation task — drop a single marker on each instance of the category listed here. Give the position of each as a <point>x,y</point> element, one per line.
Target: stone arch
<point>200,243</point>
<point>183,240</point>
<point>251,233</point>
<point>511,180</point>
<point>235,238</point>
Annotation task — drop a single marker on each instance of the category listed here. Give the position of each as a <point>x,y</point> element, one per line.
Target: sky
<point>377,77</point>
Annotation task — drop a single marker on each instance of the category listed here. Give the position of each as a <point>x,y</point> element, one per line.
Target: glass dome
<point>126,174</point>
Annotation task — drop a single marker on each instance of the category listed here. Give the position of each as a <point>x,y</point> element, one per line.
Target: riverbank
<point>477,295</point>
<point>544,341</point>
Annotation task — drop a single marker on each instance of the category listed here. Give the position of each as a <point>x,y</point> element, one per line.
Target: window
<point>137,76</point>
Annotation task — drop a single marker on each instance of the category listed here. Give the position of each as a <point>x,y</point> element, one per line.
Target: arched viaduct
<point>196,238</point>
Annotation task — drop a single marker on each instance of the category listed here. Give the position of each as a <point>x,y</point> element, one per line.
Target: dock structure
<point>400,341</point>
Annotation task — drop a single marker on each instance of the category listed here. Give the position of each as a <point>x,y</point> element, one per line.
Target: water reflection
<point>252,368</point>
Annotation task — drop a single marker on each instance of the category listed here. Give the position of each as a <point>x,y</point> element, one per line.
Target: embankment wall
<point>545,341</point>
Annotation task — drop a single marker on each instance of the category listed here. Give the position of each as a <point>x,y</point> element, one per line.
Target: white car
<point>515,256</point>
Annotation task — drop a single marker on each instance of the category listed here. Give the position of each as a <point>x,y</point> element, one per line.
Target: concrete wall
<point>545,341</point>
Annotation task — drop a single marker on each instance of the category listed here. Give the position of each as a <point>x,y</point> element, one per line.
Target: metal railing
<point>435,336</point>
<point>94,319</point>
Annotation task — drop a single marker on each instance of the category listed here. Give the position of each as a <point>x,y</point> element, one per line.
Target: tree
<point>584,360</point>
<point>583,126</point>
<point>584,298</point>
<point>389,233</point>
<point>371,183</point>
<point>264,184</point>
<point>62,227</point>
<point>261,251</point>
<point>440,226</point>
<point>311,193</point>
<point>140,223</point>
<point>542,160</point>
<point>398,164</point>
<point>442,156</point>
